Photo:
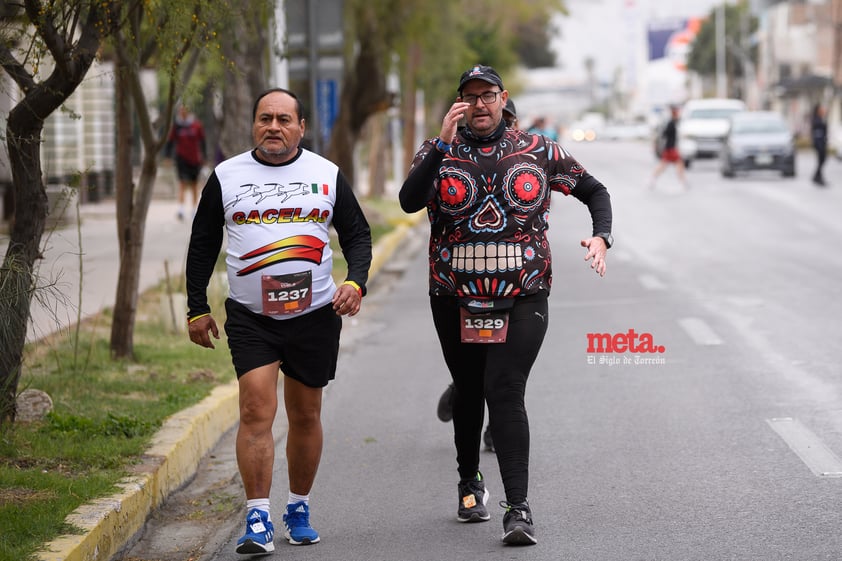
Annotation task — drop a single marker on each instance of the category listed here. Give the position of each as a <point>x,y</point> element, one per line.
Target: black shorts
<point>307,346</point>
<point>186,171</point>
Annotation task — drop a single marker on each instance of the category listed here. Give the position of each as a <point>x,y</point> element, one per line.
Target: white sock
<point>293,498</point>
<point>260,504</point>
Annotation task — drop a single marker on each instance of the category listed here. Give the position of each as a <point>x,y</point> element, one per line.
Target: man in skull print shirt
<point>487,192</point>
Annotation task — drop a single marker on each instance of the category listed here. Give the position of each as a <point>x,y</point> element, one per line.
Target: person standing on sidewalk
<point>186,145</point>
<point>276,204</point>
<point>487,192</point>
<point>818,135</point>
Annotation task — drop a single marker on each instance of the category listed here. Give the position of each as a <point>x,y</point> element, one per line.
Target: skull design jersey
<point>488,201</point>
<point>277,218</point>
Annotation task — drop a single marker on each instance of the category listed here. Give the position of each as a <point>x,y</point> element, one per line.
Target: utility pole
<point>836,57</point>
<point>314,48</point>
<point>313,64</point>
<point>745,50</point>
<point>721,84</point>
<point>835,111</point>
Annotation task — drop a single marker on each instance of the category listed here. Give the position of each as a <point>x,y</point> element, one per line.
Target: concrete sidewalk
<point>79,272</point>
<point>110,523</point>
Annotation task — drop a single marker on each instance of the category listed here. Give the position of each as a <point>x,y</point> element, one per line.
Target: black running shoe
<point>472,500</point>
<point>486,438</point>
<point>517,524</point>
<point>445,409</point>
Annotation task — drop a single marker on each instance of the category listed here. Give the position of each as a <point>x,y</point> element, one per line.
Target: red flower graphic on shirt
<point>526,188</point>
<point>453,192</point>
<point>457,191</point>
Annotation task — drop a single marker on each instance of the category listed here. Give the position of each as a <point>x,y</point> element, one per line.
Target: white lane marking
<point>812,451</point>
<point>651,282</point>
<point>699,331</point>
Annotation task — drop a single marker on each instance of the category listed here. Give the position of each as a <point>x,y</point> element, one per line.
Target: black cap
<point>510,108</point>
<point>479,72</point>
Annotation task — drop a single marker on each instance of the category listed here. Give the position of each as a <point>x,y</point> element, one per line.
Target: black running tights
<point>496,374</point>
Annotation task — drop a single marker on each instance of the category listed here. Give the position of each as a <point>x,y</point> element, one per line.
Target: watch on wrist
<point>607,237</point>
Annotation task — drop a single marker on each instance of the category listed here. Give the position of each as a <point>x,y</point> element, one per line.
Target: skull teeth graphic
<point>487,258</point>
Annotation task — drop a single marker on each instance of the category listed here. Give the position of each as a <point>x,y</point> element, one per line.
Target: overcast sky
<point>599,29</point>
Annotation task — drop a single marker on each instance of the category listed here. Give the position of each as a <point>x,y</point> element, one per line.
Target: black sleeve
<point>353,232</point>
<point>594,194</point>
<point>669,133</point>
<point>419,187</point>
<point>205,244</point>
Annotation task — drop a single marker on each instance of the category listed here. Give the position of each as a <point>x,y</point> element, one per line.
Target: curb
<point>172,459</point>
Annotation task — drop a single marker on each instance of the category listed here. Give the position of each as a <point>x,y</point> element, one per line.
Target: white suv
<point>703,125</point>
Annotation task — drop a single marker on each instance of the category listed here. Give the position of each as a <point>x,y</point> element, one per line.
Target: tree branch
<point>16,70</point>
<point>44,22</point>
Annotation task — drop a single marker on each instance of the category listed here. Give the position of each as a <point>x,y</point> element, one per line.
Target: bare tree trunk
<point>24,127</point>
<point>133,200</point>
<point>123,176</point>
<point>246,47</point>
<point>377,160</point>
<point>341,151</point>
<point>363,93</point>
<point>17,276</point>
<point>125,300</point>
<point>408,105</point>
<point>132,206</point>
<point>131,255</point>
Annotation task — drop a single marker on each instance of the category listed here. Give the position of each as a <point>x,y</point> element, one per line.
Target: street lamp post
<point>721,85</point>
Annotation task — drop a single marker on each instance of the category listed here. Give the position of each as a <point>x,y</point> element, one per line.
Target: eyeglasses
<point>486,97</point>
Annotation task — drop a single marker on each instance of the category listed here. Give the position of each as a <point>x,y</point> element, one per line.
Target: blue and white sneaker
<point>297,524</point>
<point>259,533</point>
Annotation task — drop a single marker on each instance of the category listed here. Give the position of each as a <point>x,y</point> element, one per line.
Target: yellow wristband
<point>355,285</point>
<point>194,318</point>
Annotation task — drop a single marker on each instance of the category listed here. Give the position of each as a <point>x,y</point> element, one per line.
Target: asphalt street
<point>724,443</point>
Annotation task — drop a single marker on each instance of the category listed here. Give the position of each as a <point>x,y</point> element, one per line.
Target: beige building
<point>799,51</point>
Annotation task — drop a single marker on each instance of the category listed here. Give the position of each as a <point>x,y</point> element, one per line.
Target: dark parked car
<point>758,140</point>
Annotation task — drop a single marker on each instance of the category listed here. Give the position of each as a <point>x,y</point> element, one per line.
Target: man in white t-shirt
<point>276,203</point>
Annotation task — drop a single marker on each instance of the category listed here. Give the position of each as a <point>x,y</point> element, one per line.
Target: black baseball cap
<point>510,108</point>
<point>479,72</point>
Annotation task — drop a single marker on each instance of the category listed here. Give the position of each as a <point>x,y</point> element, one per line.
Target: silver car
<point>758,140</point>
